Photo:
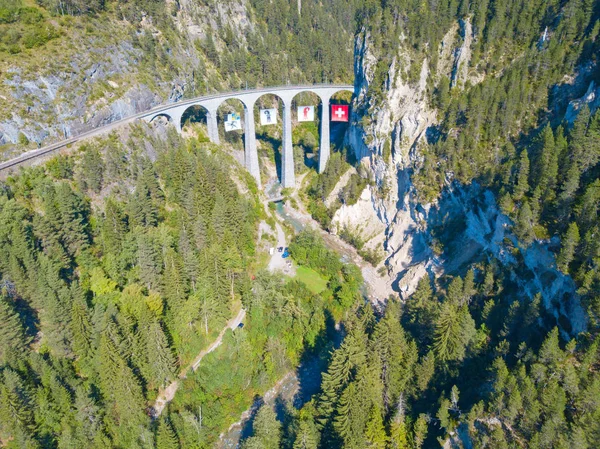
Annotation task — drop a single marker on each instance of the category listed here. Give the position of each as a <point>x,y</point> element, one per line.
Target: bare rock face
<point>387,144</point>
<point>387,136</point>
<point>361,219</point>
<point>591,99</point>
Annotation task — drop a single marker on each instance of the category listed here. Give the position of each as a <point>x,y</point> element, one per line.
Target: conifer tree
<point>522,184</point>
<point>570,241</point>
<point>588,206</point>
<point>425,370</point>
<point>16,417</point>
<point>420,430</point>
<point>374,431</point>
<point>149,261</point>
<point>267,430</point>
<point>525,223</point>
<point>398,430</point>
<point>113,227</point>
<point>92,170</point>
<point>166,438</point>
<point>396,356</point>
<point>81,328</point>
<point>546,170</point>
<point>453,332</point>
<point>13,341</point>
<point>161,359</point>
<point>307,436</point>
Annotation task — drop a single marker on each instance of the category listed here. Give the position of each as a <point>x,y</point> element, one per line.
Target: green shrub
<point>37,37</point>
<point>22,139</point>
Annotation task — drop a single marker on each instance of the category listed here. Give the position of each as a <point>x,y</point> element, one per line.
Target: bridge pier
<point>250,151</point>
<point>288,178</point>
<point>324,146</point>
<point>213,126</point>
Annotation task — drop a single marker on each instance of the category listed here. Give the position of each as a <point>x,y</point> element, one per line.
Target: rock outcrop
<point>387,136</point>
<point>591,99</point>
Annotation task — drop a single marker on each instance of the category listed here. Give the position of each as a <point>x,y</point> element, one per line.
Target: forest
<point>125,258</point>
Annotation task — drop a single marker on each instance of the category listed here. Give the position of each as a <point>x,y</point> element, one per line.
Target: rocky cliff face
<point>387,144</point>
<point>387,137</point>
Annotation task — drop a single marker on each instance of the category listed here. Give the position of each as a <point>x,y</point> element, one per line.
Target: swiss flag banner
<point>339,112</point>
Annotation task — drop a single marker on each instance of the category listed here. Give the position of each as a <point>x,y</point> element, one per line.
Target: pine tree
<point>547,164</point>
<point>307,436</point>
<point>161,359</point>
<point>16,417</point>
<point>13,341</point>
<point>335,380</point>
<point>92,170</point>
<point>522,184</point>
<point>174,283</point>
<point>525,224</point>
<point>81,328</point>
<point>421,310</point>
<point>396,356</point>
<point>166,438</point>
<point>586,211</point>
<point>398,430</point>
<point>578,141</point>
<point>149,261</point>
<point>74,218</point>
<point>267,430</point>
<point>568,191</point>
<point>113,227</point>
<point>420,430</point>
<point>425,370</point>
<point>454,330</point>
<point>374,431</point>
<point>570,241</point>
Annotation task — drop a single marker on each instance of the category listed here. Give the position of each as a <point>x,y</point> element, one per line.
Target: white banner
<point>306,113</point>
<point>233,122</point>
<point>268,116</point>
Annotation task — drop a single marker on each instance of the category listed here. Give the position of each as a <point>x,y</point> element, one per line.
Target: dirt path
<point>277,262</point>
<point>167,395</point>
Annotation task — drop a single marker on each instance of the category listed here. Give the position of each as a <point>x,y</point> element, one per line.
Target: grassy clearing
<point>313,280</point>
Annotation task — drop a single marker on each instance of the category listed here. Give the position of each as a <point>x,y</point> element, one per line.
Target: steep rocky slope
<point>390,132</point>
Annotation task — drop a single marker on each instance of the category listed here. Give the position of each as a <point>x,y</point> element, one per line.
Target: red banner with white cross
<point>339,112</point>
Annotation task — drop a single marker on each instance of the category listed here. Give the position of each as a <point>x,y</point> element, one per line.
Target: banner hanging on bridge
<point>339,112</point>
<point>268,116</point>
<point>233,122</point>
<point>306,113</point>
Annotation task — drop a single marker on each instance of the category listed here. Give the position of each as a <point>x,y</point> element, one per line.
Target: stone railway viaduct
<point>175,112</point>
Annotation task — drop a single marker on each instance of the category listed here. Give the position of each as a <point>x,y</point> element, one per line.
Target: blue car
<point>285,254</point>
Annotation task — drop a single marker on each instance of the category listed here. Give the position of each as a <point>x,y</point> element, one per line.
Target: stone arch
<point>307,139</point>
<point>338,129</point>
<point>265,132</point>
<point>162,114</point>
<point>194,113</point>
<point>229,105</point>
